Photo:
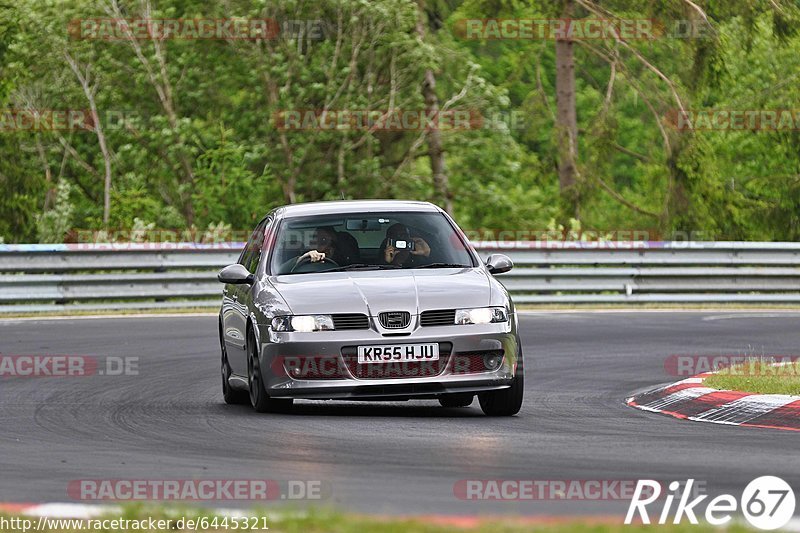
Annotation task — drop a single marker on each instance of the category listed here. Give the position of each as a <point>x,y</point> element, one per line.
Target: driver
<point>411,254</point>
<point>324,242</point>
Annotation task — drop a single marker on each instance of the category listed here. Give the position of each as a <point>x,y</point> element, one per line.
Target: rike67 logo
<point>767,503</point>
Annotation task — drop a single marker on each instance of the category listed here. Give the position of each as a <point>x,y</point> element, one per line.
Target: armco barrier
<point>129,276</point>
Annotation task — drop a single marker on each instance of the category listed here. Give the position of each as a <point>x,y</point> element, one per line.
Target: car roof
<point>354,206</point>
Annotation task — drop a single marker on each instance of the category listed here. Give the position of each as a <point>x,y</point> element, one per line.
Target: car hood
<point>371,292</point>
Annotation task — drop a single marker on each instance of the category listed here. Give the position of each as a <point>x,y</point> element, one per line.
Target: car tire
<point>506,402</point>
<point>456,400</point>
<point>259,398</point>
<point>229,394</point>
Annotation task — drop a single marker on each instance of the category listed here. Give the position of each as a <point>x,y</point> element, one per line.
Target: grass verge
<point>761,377</point>
<point>655,306</point>
<point>317,521</point>
<point>82,313</point>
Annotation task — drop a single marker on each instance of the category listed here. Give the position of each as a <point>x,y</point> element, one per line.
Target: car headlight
<point>481,315</point>
<point>302,323</point>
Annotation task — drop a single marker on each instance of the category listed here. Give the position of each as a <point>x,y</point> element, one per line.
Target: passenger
<point>399,248</point>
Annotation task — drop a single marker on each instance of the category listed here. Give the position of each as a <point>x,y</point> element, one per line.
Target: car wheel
<point>259,398</point>
<point>232,396</point>
<point>506,402</point>
<point>456,400</point>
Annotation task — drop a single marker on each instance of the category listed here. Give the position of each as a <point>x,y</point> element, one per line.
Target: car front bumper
<point>455,343</point>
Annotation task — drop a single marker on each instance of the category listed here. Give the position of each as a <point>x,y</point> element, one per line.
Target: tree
<point>435,149</point>
<point>567,120</point>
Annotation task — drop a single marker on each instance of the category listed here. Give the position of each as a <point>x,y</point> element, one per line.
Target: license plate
<point>398,353</point>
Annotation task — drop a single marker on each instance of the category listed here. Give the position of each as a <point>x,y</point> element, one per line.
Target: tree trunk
<point>435,151</point>
<point>50,194</point>
<point>567,123</point>
<point>677,213</point>
<point>89,92</point>
<point>289,196</point>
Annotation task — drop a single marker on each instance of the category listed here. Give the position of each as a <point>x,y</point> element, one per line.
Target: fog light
<point>492,361</point>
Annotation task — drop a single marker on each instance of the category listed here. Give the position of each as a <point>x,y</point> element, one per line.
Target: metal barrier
<point>130,276</point>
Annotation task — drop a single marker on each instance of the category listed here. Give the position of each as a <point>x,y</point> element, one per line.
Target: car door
<point>236,301</point>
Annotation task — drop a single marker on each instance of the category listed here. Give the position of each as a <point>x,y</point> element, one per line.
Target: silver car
<point>367,300</point>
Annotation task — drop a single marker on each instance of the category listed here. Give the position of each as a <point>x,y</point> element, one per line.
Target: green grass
<point>356,524</point>
<point>320,521</point>
<point>656,306</point>
<point>110,312</point>
<point>759,377</point>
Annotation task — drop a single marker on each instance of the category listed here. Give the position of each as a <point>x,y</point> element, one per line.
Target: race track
<point>169,422</point>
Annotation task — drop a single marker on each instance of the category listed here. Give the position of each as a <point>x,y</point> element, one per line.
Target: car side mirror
<point>236,274</point>
<point>499,263</point>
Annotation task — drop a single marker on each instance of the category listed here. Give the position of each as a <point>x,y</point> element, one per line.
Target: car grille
<point>395,319</point>
<point>350,321</point>
<point>471,362</point>
<point>397,370</point>
<point>438,317</point>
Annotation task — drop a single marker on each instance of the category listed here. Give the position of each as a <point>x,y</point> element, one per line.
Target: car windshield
<point>367,241</point>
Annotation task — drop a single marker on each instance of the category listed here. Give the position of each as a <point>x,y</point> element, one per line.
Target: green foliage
<point>8,30</point>
<point>52,225</point>
<point>200,145</point>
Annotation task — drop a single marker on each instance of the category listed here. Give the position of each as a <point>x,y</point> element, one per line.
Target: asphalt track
<point>169,422</point>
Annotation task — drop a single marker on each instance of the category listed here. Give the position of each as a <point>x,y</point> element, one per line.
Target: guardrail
<point>130,276</point>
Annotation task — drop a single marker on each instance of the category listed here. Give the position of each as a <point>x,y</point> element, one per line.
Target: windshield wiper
<point>360,266</point>
<point>444,265</point>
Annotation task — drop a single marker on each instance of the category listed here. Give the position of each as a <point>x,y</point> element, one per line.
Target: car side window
<point>252,251</point>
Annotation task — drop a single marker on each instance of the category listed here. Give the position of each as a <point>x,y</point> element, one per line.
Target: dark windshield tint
<point>367,241</point>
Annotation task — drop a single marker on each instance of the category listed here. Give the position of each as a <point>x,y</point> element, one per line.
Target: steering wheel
<point>307,261</point>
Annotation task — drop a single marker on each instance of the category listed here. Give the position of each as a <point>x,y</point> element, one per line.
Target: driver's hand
<point>314,255</point>
<point>420,247</point>
<point>389,253</point>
